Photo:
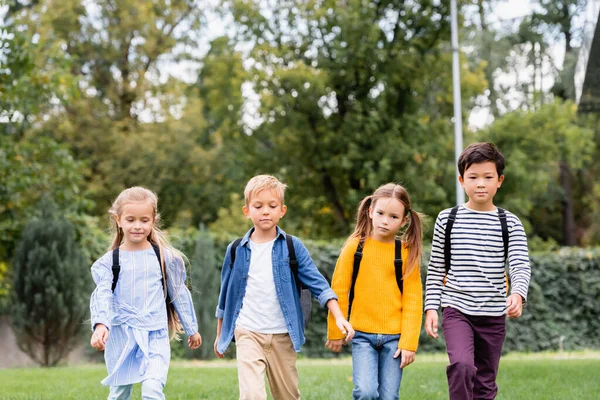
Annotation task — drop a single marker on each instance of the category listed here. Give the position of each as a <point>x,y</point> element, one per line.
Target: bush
<point>50,288</point>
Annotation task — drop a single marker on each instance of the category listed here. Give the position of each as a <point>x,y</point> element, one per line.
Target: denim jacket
<point>234,281</point>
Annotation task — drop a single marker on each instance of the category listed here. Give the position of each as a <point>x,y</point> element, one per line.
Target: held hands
<point>407,357</point>
<point>345,327</point>
<point>431,323</point>
<point>99,337</point>
<point>195,341</point>
<point>219,355</point>
<point>514,305</point>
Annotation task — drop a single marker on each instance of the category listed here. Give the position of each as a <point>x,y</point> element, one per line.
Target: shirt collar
<point>246,238</point>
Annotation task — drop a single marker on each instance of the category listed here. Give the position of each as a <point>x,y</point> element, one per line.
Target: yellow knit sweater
<point>378,306</point>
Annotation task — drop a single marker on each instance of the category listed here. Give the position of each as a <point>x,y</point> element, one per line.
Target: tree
<point>50,288</point>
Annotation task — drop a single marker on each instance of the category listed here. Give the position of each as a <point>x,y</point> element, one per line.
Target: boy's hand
<point>195,341</point>
<point>431,323</point>
<point>99,337</point>
<point>335,345</point>
<point>345,327</point>
<point>514,305</point>
<point>219,355</point>
<point>407,357</point>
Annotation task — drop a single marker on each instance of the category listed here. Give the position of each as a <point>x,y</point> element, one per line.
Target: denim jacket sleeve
<point>311,277</point>
<point>225,275</point>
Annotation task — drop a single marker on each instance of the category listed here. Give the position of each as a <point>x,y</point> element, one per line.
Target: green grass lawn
<point>520,377</point>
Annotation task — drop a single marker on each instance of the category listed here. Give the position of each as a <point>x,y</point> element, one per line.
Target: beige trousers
<point>274,354</point>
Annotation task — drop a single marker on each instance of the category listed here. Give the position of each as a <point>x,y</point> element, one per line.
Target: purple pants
<point>474,345</point>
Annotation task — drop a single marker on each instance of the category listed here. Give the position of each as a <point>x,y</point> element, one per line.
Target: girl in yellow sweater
<point>378,282</point>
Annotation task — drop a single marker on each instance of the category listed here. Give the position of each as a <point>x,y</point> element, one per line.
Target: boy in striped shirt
<point>466,276</point>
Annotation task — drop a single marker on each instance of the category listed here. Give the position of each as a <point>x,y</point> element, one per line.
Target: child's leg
<point>251,363</point>
<point>120,392</point>
<point>152,389</point>
<point>390,373</point>
<point>281,367</point>
<point>459,335</point>
<point>489,338</point>
<point>365,366</point>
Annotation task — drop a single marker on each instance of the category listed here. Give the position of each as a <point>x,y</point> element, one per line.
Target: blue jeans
<point>152,389</point>
<point>375,372</point>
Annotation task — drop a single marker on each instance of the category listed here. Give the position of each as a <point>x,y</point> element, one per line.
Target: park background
<point>334,97</point>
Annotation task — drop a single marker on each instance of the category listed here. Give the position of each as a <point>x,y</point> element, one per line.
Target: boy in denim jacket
<point>259,304</point>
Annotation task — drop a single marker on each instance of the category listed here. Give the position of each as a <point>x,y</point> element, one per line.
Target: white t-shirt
<point>261,311</point>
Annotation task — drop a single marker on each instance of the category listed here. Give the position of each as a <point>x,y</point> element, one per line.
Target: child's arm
<point>340,283</point>
<point>436,272</point>
<point>219,327</point>
<point>100,303</point>
<point>412,316</point>
<point>519,269</point>
<point>182,298</point>
<point>220,311</point>
<point>340,320</point>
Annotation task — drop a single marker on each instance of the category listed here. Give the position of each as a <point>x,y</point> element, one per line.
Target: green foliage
<point>50,288</point>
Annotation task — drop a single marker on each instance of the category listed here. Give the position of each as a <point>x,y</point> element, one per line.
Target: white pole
<point>460,194</point>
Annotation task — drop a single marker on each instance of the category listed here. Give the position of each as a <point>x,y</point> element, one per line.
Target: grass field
<point>549,376</point>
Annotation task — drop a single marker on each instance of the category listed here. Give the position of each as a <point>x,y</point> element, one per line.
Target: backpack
<point>448,231</point>
<point>116,268</point>
<point>358,258</point>
<point>303,291</point>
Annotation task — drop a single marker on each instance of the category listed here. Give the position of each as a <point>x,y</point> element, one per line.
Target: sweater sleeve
<point>436,270</point>
<point>518,259</point>
<point>102,297</point>
<point>412,308</point>
<point>340,283</point>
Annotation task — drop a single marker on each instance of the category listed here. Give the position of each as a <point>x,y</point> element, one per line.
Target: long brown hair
<point>412,233</point>
<point>138,194</point>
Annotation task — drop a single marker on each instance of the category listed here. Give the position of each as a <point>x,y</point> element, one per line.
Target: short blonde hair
<point>263,182</point>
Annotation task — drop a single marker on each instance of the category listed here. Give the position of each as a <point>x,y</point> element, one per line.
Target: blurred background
<point>334,97</point>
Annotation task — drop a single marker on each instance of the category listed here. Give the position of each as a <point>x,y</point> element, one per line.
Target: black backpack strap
<point>447,233</point>
<point>398,264</point>
<point>357,259</point>
<point>502,216</point>
<point>234,246</point>
<point>116,268</point>
<point>289,240</point>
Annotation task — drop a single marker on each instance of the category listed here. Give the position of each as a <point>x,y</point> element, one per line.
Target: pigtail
<point>413,239</point>
<point>363,222</point>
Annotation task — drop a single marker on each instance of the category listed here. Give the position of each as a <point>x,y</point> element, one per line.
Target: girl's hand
<point>99,337</point>
<point>514,305</point>
<point>335,345</point>
<point>195,341</point>
<point>407,357</point>
<point>431,323</point>
<point>345,327</point>
<point>219,355</point>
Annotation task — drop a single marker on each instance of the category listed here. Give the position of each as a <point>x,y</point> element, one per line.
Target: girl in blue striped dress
<point>145,303</point>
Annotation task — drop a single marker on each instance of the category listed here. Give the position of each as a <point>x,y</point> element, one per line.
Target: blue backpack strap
<point>398,264</point>
<point>447,233</point>
<point>116,268</point>
<point>234,247</point>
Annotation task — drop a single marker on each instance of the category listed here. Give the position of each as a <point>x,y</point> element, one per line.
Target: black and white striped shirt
<point>476,283</point>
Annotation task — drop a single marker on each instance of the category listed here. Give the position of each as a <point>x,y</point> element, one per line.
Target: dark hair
<point>412,235</point>
<point>477,153</point>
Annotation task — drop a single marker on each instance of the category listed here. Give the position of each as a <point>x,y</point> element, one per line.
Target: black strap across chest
<point>448,232</point>
<point>116,267</point>
<point>357,260</point>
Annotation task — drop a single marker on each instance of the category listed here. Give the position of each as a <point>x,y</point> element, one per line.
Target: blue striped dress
<point>138,342</point>
<point>476,283</point>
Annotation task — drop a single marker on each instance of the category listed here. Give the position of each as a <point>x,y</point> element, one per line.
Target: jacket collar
<point>246,238</point>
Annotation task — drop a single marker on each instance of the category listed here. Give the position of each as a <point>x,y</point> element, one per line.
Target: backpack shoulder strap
<point>234,247</point>
<point>447,233</point>
<point>357,259</point>
<point>503,223</point>
<point>398,264</point>
<point>116,268</point>
<point>289,240</point>
<point>157,252</point>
